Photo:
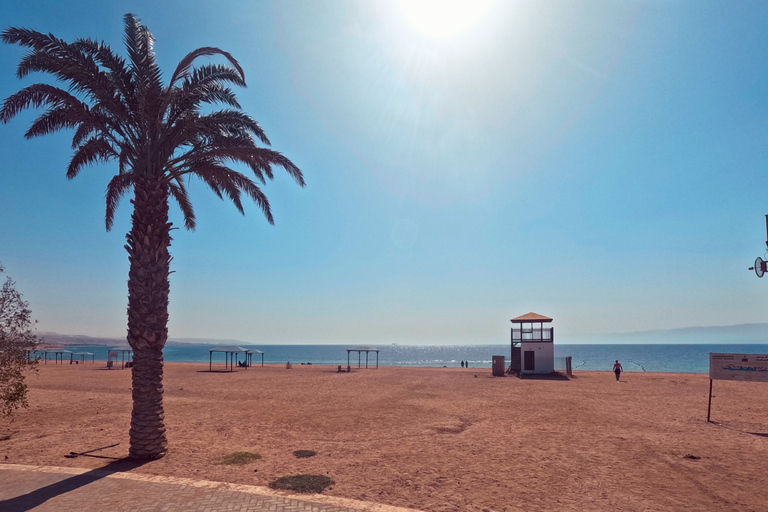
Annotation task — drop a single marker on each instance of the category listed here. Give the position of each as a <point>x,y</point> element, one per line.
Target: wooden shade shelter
<point>230,355</point>
<point>58,354</point>
<point>359,351</point>
<point>82,356</point>
<point>254,351</point>
<point>112,355</point>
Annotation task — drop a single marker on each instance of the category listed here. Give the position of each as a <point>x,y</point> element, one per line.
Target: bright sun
<point>443,18</point>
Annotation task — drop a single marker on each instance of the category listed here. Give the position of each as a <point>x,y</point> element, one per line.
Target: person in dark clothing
<point>617,369</point>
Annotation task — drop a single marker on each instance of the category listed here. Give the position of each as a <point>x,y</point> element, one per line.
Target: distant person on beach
<point>617,369</point>
<point>462,363</point>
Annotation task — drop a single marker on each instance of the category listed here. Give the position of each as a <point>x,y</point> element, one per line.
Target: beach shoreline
<point>436,439</point>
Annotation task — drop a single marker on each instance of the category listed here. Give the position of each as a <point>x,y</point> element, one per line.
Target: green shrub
<point>302,483</point>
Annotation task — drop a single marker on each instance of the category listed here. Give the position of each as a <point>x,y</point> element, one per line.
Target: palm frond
<point>37,95</point>
<point>139,43</point>
<point>233,122</point>
<point>51,121</point>
<point>224,181</point>
<point>179,193</point>
<point>182,69</point>
<point>29,38</point>
<point>92,150</point>
<point>118,186</point>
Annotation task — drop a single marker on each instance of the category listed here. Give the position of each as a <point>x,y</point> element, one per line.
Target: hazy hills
<point>56,339</point>
<point>721,334</point>
<point>743,333</point>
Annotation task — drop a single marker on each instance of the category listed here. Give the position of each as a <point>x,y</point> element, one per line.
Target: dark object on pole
<point>761,266</point>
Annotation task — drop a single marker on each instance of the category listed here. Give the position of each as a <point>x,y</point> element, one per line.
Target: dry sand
<point>435,439</point>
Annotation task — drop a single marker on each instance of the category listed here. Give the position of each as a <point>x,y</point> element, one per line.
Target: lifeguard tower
<point>533,345</point>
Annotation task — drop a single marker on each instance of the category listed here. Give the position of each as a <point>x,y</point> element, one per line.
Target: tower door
<point>529,360</point>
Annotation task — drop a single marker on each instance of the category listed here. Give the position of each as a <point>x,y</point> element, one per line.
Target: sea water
<point>652,358</point>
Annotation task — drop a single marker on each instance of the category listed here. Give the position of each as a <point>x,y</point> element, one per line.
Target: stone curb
<point>207,484</point>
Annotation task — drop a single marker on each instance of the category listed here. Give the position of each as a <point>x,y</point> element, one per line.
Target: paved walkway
<point>57,489</point>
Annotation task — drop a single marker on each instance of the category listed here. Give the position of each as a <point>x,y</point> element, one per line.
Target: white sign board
<point>748,367</point>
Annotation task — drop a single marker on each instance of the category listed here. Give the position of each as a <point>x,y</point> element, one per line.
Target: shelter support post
<point>709,404</point>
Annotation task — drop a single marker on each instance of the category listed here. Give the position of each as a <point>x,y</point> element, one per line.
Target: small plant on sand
<point>240,458</point>
<point>304,454</point>
<point>17,342</point>
<point>306,484</point>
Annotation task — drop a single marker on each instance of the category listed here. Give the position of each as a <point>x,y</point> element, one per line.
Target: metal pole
<point>709,405</point>
<point>766,230</point>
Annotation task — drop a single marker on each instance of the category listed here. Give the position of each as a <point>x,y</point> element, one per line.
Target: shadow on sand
<point>721,425</point>
<point>545,376</point>
<point>39,496</point>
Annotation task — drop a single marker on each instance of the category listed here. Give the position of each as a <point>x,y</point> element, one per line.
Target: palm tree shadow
<point>39,496</point>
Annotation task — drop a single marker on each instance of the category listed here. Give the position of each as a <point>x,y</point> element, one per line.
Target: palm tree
<point>160,137</point>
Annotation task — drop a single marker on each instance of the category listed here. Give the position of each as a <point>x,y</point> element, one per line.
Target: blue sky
<point>602,163</point>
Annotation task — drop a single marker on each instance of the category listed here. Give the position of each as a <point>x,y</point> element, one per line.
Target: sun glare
<point>443,18</point>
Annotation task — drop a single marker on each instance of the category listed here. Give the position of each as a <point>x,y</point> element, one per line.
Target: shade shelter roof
<point>359,351</point>
<point>228,348</point>
<point>531,317</point>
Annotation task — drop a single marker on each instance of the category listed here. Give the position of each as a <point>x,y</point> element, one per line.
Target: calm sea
<point>652,358</point>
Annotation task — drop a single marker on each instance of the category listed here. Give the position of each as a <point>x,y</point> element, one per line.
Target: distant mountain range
<point>60,340</point>
<point>722,334</point>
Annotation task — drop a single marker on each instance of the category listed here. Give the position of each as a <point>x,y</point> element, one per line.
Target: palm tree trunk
<point>148,287</point>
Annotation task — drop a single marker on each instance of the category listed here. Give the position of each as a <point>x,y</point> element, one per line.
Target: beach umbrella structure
<point>82,356</point>
<point>359,351</point>
<point>230,355</point>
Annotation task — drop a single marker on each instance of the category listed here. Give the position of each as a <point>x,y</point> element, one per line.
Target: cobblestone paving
<point>46,489</point>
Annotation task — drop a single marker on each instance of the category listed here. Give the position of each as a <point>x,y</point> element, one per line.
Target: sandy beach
<point>434,439</point>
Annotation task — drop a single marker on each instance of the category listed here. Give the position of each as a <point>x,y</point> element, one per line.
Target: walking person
<point>617,369</point>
